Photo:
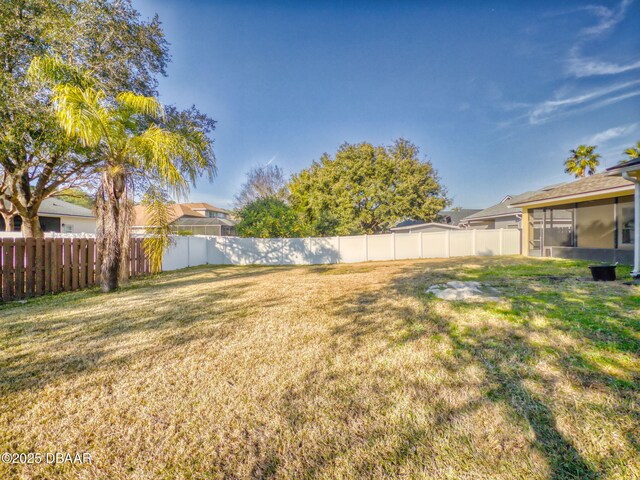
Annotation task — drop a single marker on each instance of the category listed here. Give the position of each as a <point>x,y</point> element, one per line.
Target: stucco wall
<point>78,224</point>
<point>482,225</point>
<point>511,221</point>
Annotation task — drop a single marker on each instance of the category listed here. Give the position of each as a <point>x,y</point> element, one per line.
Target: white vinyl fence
<point>189,251</point>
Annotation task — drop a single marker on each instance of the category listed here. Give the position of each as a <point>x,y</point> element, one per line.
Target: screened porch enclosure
<point>599,230</point>
<point>203,226</point>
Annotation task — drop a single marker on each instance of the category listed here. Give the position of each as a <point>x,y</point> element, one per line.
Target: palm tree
<point>633,152</point>
<point>126,132</point>
<point>583,161</point>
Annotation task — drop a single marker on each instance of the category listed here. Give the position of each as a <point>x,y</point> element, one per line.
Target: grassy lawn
<point>342,371</point>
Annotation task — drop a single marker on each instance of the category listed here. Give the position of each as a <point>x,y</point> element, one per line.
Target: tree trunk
<point>112,230</point>
<point>9,223</point>
<point>31,226</point>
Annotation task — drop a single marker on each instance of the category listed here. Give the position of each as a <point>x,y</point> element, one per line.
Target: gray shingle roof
<point>457,215</point>
<point>454,215</point>
<point>500,209</point>
<point>55,206</point>
<point>594,183</point>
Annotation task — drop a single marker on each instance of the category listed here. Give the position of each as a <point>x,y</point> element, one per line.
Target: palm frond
<point>169,157</point>
<point>141,104</point>
<point>158,230</point>
<point>633,152</point>
<point>53,70</point>
<point>583,160</point>
<point>81,113</point>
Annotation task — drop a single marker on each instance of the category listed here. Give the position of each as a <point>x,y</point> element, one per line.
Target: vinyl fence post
<point>394,244</point>
<point>421,248</point>
<point>447,247</point>
<point>309,250</point>
<point>474,250</point>
<point>501,240</point>
<point>282,252</point>
<point>366,247</point>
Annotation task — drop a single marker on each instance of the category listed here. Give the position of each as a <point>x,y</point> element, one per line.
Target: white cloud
<point>610,134</point>
<point>549,109</point>
<point>582,67</point>
<point>607,18</point>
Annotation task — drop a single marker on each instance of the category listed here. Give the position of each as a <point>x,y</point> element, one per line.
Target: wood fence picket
<point>32,267</point>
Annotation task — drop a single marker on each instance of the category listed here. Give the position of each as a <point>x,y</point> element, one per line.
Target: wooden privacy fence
<point>30,267</point>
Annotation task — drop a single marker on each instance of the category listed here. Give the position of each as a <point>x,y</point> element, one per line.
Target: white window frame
<point>621,207</point>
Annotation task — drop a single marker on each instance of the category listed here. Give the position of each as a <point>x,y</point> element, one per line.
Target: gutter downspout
<point>635,273</point>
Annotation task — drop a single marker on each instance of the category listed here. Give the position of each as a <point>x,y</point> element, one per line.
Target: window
<point>626,225</point>
<point>50,224</point>
<point>216,214</point>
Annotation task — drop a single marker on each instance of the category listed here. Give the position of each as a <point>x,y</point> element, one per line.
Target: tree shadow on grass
<point>505,354</point>
<point>563,458</point>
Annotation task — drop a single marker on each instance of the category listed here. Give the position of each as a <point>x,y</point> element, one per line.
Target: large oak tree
<point>367,189</point>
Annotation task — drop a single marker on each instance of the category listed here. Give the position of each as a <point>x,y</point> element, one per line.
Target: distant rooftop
<point>204,206</point>
<point>56,206</point>
<point>505,206</point>
<point>453,217</point>
<point>178,211</point>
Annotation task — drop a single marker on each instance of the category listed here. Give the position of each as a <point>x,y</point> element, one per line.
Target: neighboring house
<point>191,218</point>
<point>591,218</point>
<point>62,217</point>
<point>447,220</point>
<point>414,226</point>
<point>454,217</point>
<point>500,215</point>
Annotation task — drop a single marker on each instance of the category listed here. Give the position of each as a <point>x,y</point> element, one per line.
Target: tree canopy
<point>77,196</point>
<point>366,189</point>
<point>107,37</point>
<point>268,218</point>
<point>262,182</point>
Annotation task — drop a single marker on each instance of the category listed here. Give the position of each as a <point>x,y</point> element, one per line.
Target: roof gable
<point>500,209</point>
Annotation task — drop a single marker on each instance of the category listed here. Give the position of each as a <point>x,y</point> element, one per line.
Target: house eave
<point>47,214</point>
<point>584,197</point>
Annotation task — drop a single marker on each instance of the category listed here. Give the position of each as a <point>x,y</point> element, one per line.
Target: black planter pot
<point>603,273</point>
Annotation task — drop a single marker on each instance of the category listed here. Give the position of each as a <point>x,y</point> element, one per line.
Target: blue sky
<point>494,93</point>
